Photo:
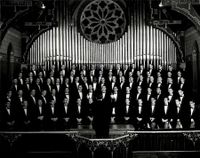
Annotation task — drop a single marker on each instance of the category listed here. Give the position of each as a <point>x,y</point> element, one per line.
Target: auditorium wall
<point>192,56</point>
<point>10,57</point>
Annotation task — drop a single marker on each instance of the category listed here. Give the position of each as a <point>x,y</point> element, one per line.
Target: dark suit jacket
<point>5,117</point>
<point>102,112</point>
<point>153,113</point>
<point>22,118</point>
<point>178,115</point>
<point>195,116</point>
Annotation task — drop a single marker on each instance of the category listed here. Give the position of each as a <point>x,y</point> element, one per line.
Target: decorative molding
<point>11,137</point>
<point>110,144</point>
<point>192,136</point>
<point>6,25</point>
<point>185,7</point>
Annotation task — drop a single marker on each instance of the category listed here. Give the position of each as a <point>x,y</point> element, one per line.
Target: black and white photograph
<point>100,78</point>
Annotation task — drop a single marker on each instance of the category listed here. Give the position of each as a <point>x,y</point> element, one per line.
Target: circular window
<point>102,21</point>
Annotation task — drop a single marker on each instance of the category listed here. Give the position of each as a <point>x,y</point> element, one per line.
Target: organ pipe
<point>65,44</point>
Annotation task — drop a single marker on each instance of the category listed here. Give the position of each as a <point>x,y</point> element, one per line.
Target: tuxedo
<point>44,73</point>
<point>7,119</point>
<point>48,88</point>
<point>127,113</point>
<point>20,82</point>
<point>132,86</point>
<point>90,106</point>
<point>183,86</point>
<point>17,103</point>
<point>85,87</point>
<point>171,101</point>
<point>90,79</point>
<point>38,89</point>
<point>147,99</point>
<point>54,98</point>
<point>41,81</point>
<point>139,117</point>
<point>152,72</point>
<point>151,85</point>
<point>25,118</point>
<point>79,114</point>
<point>122,87</point>
<point>192,118</point>
<point>50,114</point>
<point>152,116</point>
<point>34,73</point>
<point>125,73</point>
<point>44,99</point>
<point>15,89</point>
<point>39,114</point>
<point>159,99</point>
<point>26,89</point>
<point>178,116</point>
<point>32,101</point>
<point>65,116</point>
<point>116,107</point>
<point>165,114</point>
<point>136,97</point>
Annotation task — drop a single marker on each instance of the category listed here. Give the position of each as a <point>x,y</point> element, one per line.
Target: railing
<point>127,143</point>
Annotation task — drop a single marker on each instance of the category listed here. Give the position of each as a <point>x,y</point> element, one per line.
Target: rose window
<point>103,21</point>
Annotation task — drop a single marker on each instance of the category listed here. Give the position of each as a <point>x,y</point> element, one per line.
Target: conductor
<point>102,114</point>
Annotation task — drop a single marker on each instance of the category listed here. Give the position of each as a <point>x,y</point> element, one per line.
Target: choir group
<point>149,99</point>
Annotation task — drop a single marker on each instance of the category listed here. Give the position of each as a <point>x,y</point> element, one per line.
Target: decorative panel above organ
<point>103,21</point>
